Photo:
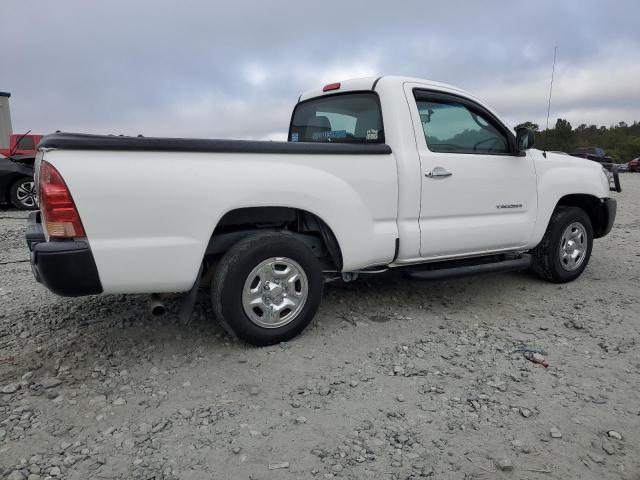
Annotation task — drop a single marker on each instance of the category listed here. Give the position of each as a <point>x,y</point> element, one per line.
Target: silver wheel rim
<point>275,292</point>
<point>26,194</point>
<point>573,247</point>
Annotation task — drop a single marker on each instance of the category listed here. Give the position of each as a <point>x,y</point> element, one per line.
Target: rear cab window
<point>340,118</point>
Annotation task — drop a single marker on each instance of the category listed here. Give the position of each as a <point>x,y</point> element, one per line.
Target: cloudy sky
<point>210,68</point>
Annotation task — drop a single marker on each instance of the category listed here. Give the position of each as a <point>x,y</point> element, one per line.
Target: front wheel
<point>267,288</point>
<point>23,194</point>
<point>565,249</point>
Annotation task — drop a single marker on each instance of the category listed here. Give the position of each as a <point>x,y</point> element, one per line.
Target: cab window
<point>453,127</point>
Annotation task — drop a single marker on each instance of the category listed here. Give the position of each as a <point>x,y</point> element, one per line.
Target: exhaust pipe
<point>156,306</point>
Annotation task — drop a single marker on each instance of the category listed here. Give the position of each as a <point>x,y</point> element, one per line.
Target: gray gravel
<point>395,380</point>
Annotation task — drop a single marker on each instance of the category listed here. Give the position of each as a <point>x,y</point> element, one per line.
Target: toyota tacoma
<point>377,173</point>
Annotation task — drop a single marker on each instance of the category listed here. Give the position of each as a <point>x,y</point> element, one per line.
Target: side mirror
<point>525,139</point>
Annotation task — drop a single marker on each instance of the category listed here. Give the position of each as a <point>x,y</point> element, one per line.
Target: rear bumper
<point>607,212</point>
<point>65,267</point>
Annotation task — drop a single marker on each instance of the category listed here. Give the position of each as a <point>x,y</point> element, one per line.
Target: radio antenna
<point>553,71</point>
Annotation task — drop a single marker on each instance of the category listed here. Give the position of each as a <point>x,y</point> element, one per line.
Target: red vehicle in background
<point>17,156</point>
<point>16,171</point>
<point>21,145</point>
<point>633,165</point>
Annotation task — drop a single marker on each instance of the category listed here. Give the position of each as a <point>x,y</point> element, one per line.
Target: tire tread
<point>540,255</point>
<point>544,253</point>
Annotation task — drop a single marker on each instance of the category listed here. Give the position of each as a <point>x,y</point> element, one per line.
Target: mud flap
<point>189,301</point>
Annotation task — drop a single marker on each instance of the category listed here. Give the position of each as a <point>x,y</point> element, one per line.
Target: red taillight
<point>59,213</point>
<point>331,86</point>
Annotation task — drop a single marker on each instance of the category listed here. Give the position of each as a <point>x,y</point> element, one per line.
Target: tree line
<point>621,141</point>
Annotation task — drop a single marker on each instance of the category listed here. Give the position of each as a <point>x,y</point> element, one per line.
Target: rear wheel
<point>23,194</point>
<point>565,249</point>
<point>267,288</point>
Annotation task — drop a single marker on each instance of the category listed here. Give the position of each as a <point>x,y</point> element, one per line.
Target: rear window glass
<point>344,118</point>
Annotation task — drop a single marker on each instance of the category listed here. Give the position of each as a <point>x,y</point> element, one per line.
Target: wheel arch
<point>308,227</point>
<point>592,206</point>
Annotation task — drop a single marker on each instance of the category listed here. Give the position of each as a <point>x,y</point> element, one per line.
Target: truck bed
<point>144,200</point>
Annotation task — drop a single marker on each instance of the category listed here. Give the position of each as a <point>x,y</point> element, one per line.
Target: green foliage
<point>533,126</point>
<point>621,141</point>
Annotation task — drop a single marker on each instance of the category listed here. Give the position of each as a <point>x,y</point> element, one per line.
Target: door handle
<point>438,172</point>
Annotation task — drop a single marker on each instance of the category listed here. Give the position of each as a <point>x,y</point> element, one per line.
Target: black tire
<point>22,194</point>
<point>233,271</point>
<point>546,260</point>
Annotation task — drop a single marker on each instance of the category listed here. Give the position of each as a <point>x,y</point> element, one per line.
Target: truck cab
<point>466,187</point>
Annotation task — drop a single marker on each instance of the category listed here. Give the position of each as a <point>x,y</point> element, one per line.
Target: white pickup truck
<point>378,173</point>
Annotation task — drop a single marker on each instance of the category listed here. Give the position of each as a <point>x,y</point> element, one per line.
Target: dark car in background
<point>16,181</point>
<point>593,153</point>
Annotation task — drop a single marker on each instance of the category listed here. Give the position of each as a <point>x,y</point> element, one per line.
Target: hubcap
<point>26,194</point>
<point>275,292</point>
<point>573,247</point>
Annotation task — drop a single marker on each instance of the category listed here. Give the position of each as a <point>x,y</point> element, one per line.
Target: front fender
<point>558,177</point>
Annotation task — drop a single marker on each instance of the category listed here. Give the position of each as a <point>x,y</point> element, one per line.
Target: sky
<point>235,69</point>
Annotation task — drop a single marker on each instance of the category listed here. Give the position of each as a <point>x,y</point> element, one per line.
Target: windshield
<point>343,118</point>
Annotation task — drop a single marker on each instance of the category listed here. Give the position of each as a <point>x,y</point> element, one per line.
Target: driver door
<point>478,194</point>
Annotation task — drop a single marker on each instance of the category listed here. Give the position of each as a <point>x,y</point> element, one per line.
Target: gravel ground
<point>395,379</point>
